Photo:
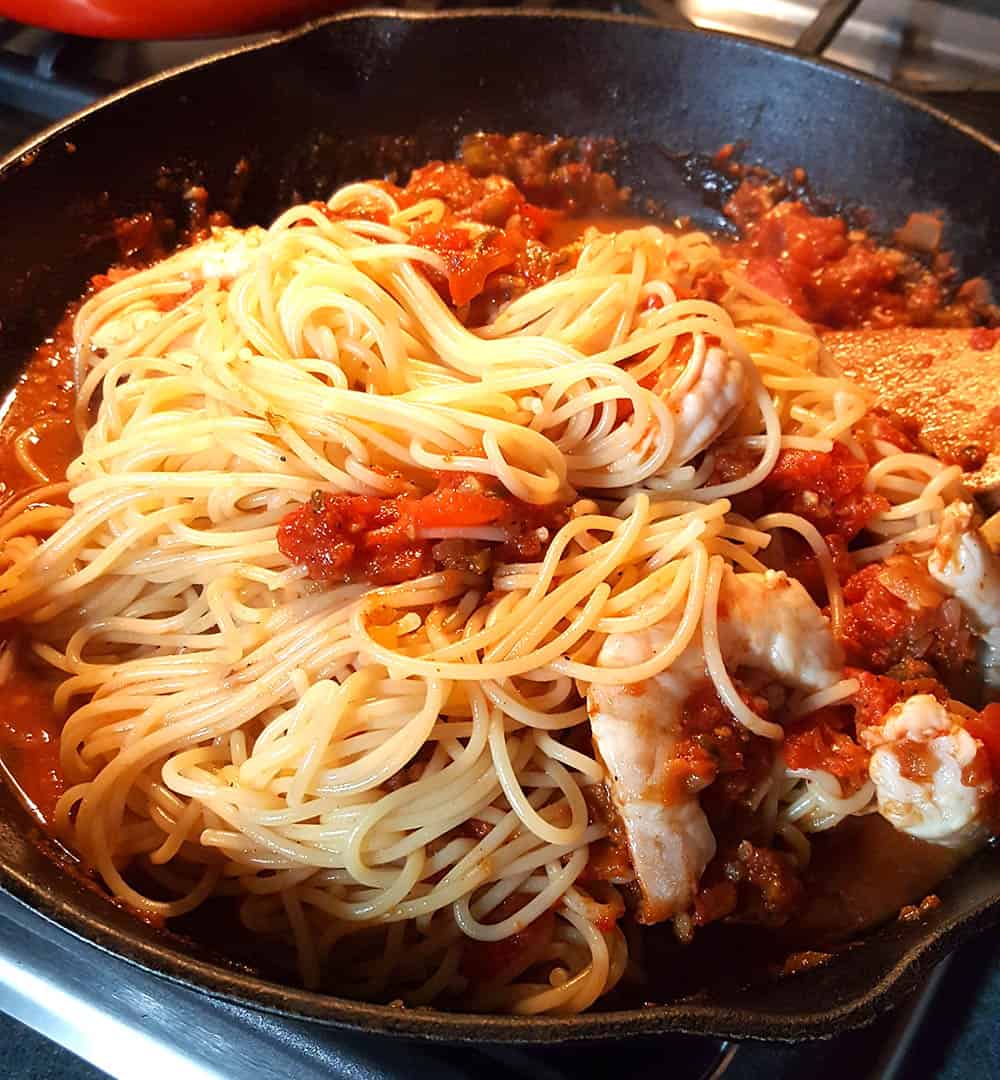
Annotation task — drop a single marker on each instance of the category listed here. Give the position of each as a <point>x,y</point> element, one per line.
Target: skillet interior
<point>311,110</point>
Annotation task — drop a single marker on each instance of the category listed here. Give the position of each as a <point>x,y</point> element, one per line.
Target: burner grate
<point>40,72</point>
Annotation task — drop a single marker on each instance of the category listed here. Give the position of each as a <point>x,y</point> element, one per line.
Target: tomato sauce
<point>38,413</point>
<point>862,873</point>
<point>875,696</point>
<point>895,612</point>
<point>502,960</point>
<point>834,276</point>
<point>491,238</point>
<point>986,728</point>
<point>822,741</point>
<point>570,174</point>
<point>379,539</point>
<point>824,488</point>
<point>721,751</point>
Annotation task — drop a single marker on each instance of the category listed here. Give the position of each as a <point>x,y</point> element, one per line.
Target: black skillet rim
<point>15,156</point>
<point>689,1016</point>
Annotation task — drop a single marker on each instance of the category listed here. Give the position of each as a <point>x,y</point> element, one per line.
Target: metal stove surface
<point>128,1023</point>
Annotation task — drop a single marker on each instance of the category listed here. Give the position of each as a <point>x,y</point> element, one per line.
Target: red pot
<point>160,19</point>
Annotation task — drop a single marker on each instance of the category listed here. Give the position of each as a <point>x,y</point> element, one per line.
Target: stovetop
<point>58,992</point>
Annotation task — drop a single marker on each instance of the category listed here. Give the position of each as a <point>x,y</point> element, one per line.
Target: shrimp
<point>768,622</point>
<point>706,398</point>
<point>963,563</point>
<point>636,730</point>
<point>931,776</point>
<point>772,624</point>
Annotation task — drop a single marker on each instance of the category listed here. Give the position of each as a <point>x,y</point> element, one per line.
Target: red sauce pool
<point>29,740</point>
<point>40,403</point>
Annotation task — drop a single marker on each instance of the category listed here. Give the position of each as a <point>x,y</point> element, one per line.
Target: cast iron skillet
<point>307,109</point>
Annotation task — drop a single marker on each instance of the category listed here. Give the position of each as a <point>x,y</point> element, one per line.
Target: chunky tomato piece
<point>536,221</point>
<point>833,475</point>
<point>453,184</point>
<point>349,537</point>
<point>715,902</point>
<point>809,241</point>
<point>986,728</point>
<point>823,272</point>
<point>821,741</point>
<point>343,537</point>
<point>114,274</point>
<point>489,232</point>
<point>878,625</point>
<point>895,612</point>
<point>470,258</point>
<point>769,275</point>
<point>824,488</point>
<point>718,754</point>
<point>842,292</point>
<point>875,696</point>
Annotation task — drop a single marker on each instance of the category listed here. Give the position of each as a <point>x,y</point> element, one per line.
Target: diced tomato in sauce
<point>790,232</point>
<point>715,902</point>
<point>895,612</point>
<point>718,751</point>
<point>826,274</point>
<point>470,259</point>
<point>607,861</point>
<point>877,624</point>
<point>834,475</point>
<point>768,275</point>
<point>986,728</point>
<point>350,537</point>
<point>114,275</point>
<point>917,760</point>
<point>824,488</point>
<point>754,882</point>
<point>489,227</point>
<point>821,741</point>
<point>875,696</point>
<point>774,878</point>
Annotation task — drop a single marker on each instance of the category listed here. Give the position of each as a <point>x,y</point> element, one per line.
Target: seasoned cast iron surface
<point>362,93</point>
